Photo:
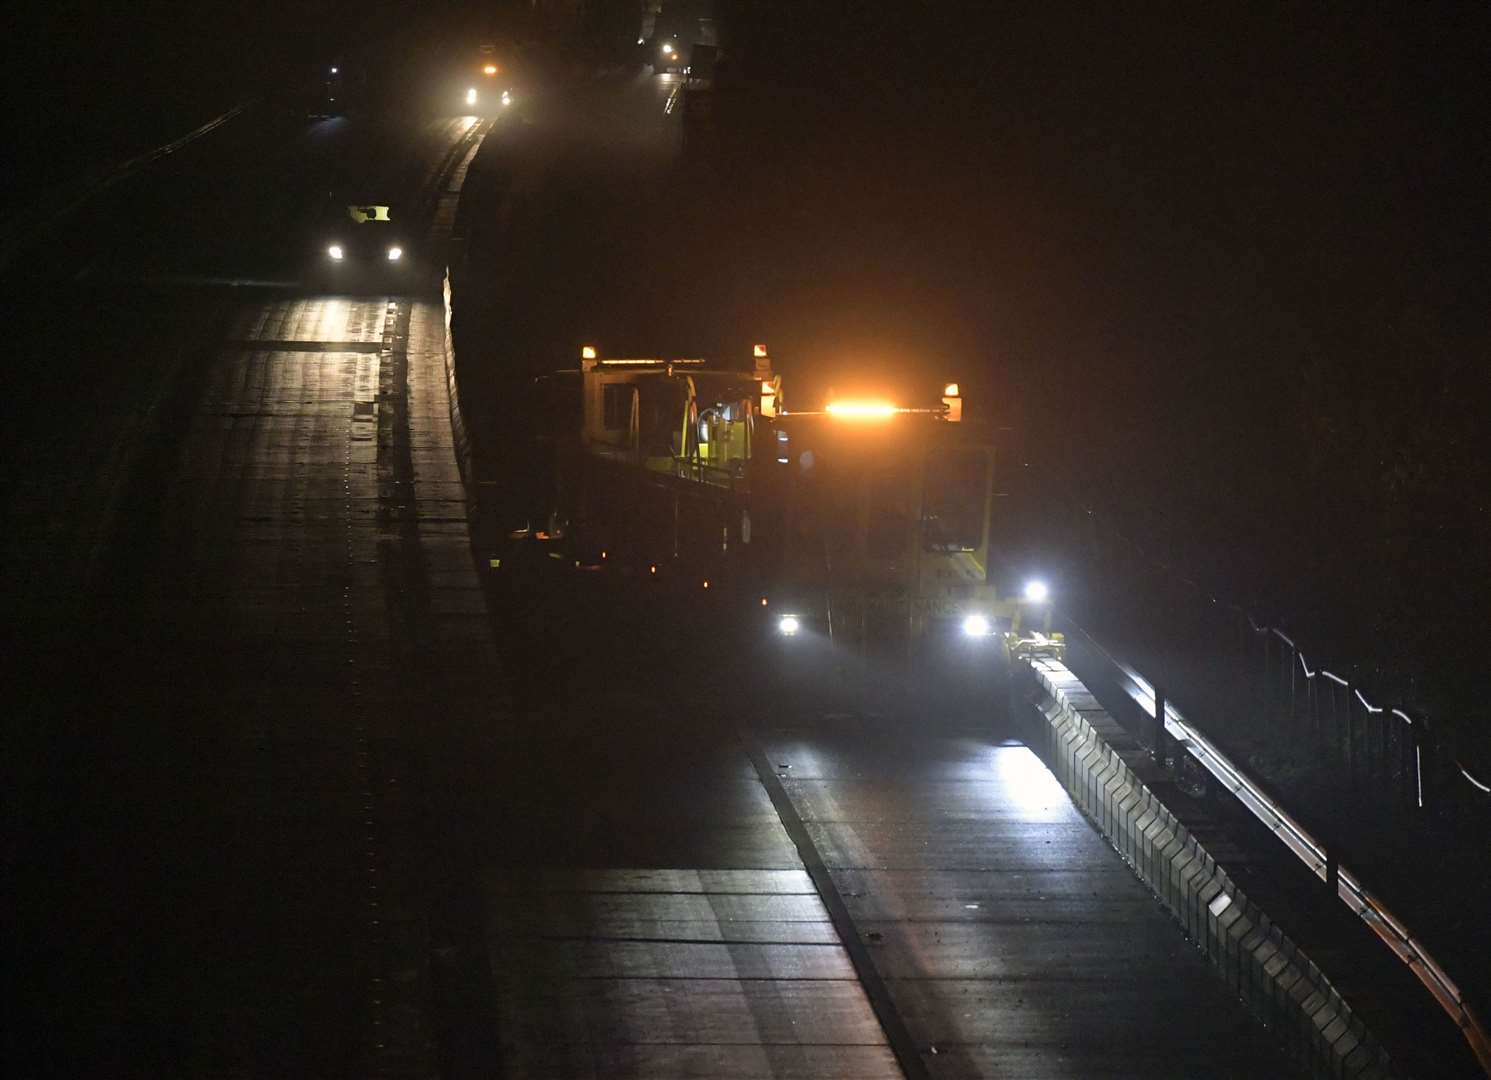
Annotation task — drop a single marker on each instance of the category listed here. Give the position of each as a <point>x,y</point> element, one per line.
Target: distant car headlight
<point>507,99</point>
<point>336,253</point>
<point>395,254</point>
<point>789,625</point>
<point>471,96</point>
<point>976,626</point>
<point>1036,592</point>
<point>667,48</point>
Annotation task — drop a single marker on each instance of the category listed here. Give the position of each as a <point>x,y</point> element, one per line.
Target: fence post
<point>1422,769</point>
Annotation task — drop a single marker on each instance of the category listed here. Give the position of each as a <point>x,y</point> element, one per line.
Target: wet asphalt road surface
<point>303,788</point>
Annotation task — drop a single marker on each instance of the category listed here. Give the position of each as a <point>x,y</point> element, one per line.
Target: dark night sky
<point>1233,264</point>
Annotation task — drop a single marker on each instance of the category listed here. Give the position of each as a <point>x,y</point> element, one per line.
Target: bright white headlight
<point>335,251</point>
<point>471,96</point>
<point>507,99</point>
<point>667,48</point>
<point>1036,591</point>
<point>789,625</point>
<point>395,254</point>
<point>976,625</point>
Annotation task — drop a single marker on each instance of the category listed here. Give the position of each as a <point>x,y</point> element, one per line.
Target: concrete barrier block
<point>1095,759</point>
<point>1198,885</point>
<point>1277,981</point>
<point>1178,874</point>
<point>1150,825</point>
<point>1171,844</point>
<point>1107,780</point>
<point>1128,802</point>
<point>1152,841</point>
<point>1256,986</point>
<point>1233,935</point>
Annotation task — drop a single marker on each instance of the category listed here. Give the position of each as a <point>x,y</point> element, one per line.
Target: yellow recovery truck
<point>862,526</point>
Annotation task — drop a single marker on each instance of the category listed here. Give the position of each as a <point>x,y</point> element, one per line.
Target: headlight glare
<point>1036,592</point>
<point>395,254</point>
<point>336,253</point>
<point>789,625</point>
<point>976,626</point>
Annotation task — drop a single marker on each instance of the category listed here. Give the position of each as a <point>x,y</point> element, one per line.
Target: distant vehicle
<point>679,29</point>
<point>489,89</point>
<point>669,54</point>
<point>361,244</point>
<point>326,95</point>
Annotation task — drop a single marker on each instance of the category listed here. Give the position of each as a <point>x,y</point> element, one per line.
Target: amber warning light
<point>953,402</point>
<point>489,69</point>
<point>861,410</point>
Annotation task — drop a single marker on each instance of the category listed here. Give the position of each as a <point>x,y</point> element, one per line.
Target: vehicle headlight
<point>667,48</point>
<point>1036,592</point>
<point>395,254</point>
<point>507,99</point>
<point>471,96</point>
<point>976,626</point>
<point>335,251</point>
<point>789,625</point>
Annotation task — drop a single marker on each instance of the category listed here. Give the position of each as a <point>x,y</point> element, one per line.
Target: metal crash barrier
<point>1114,781</point>
<point>1315,855</point>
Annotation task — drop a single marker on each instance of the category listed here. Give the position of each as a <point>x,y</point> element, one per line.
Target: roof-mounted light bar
<point>862,410</point>
<point>648,361</point>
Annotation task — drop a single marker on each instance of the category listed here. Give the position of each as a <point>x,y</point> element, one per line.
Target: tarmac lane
<point>653,909</point>
<point>648,915</point>
<point>227,865</point>
<point>1012,940</point>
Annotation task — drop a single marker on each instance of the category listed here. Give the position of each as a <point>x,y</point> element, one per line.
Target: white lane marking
<point>672,100</point>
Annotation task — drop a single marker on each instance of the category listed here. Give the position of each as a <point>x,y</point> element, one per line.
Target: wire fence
<point>1329,724</point>
<point>1177,743</point>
